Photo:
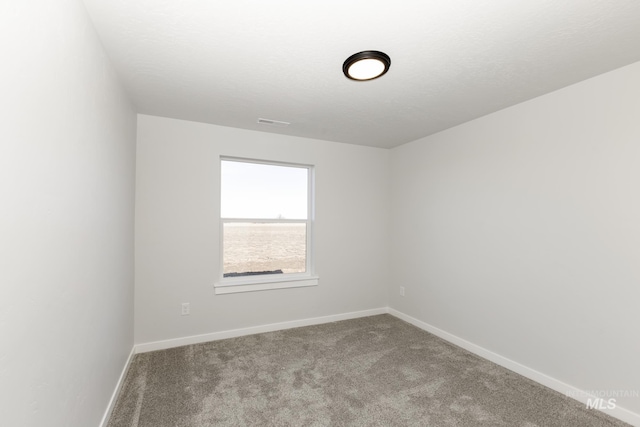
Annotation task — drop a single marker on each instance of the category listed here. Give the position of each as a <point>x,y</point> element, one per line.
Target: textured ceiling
<point>232,62</point>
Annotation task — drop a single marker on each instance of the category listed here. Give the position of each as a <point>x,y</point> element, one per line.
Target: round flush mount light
<point>367,65</point>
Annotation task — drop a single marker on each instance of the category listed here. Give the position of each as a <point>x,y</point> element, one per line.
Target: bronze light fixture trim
<point>366,65</point>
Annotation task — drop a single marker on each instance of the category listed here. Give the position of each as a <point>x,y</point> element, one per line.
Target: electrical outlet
<point>185,309</point>
<point>401,291</point>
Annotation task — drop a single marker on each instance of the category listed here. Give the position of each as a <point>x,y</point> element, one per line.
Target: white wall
<point>520,232</point>
<point>67,147</point>
<point>177,229</point>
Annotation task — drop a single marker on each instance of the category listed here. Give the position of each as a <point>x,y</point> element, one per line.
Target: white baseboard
<point>554,384</point>
<point>196,339</point>
<point>114,395</point>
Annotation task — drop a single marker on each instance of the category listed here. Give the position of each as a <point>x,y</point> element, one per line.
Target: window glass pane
<point>259,248</point>
<point>254,190</point>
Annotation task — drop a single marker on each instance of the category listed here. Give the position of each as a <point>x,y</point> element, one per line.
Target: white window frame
<point>228,285</point>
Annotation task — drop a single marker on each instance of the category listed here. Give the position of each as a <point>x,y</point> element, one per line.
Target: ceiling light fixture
<point>367,65</point>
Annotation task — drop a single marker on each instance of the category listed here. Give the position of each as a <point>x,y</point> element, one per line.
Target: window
<point>266,227</point>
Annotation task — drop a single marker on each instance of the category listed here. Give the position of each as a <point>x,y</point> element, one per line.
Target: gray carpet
<point>374,371</point>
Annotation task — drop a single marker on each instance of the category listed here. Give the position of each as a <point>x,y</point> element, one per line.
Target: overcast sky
<point>254,190</point>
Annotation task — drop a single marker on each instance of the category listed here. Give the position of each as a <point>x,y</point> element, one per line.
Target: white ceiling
<point>232,62</point>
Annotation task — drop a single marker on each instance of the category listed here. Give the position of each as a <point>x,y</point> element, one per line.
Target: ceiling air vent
<point>276,123</point>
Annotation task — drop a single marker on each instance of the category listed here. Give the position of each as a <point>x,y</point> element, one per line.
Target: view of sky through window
<point>255,190</point>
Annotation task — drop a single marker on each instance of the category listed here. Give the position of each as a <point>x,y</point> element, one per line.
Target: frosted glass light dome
<point>367,65</point>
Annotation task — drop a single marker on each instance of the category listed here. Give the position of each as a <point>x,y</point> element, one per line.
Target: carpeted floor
<point>374,371</point>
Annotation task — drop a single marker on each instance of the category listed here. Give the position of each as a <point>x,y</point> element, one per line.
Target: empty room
<point>288,213</point>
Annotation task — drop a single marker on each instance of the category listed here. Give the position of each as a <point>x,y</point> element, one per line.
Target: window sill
<point>263,284</point>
